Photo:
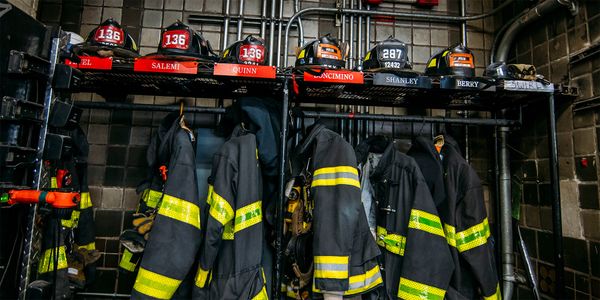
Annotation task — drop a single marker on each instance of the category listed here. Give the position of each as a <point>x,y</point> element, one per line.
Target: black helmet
<point>388,54</point>
<point>249,51</point>
<point>108,39</point>
<point>457,60</point>
<point>325,52</point>
<point>180,40</point>
<point>498,71</point>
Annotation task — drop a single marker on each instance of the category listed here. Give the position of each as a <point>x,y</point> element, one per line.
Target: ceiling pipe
<point>532,15</point>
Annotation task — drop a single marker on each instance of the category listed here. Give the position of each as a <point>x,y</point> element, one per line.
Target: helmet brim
<point>89,49</point>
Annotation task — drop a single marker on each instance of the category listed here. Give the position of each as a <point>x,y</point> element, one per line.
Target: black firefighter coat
<point>458,194</point>
<point>230,259</point>
<point>416,257</point>
<point>175,237</point>
<point>345,253</point>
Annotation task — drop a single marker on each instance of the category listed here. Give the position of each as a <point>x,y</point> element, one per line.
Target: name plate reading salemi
<point>239,70</point>
<point>165,66</point>
<point>479,84</point>
<point>336,76</point>
<point>527,86</point>
<point>91,62</point>
<point>389,79</point>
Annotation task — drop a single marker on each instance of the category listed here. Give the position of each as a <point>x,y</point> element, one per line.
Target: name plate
<point>389,79</point>
<point>527,86</point>
<point>165,66</point>
<point>466,84</point>
<point>91,62</point>
<point>336,76</point>
<point>238,70</point>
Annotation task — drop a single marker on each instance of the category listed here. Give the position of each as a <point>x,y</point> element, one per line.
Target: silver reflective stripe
<point>331,267</point>
<point>336,175</point>
<point>368,281</point>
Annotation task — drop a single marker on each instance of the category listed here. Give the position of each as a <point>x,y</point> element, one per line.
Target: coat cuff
<point>203,277</point>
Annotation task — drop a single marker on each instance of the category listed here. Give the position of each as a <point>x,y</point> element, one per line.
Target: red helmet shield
<point>110,34</point>
<point>176,39</point>
<point>252,53</point>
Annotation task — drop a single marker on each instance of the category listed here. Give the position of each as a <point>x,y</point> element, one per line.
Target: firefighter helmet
<point>108,39</point>
<point>178,39</point>
<point>325,52</point>
<point>249,51</point>
<point>389,54</point>
<point>456,60</point>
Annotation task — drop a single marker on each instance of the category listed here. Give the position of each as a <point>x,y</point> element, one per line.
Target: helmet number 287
<point>391,53</point>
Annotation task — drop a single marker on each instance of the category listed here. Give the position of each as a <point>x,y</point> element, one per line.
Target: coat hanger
<point>182,119</point>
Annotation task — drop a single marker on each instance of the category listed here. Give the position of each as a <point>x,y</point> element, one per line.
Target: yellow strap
<point>202,278</point>
<point>220,209</point>
<point>262,295</point>
<point>496,295</point>
<point>247,216</point>
<point>426,222</point>
<point>410,290</point>
<point>125,262</point>
<point>46,263</point>
<point>151,197</point>
<point>86,201</point>
<point>53,183</point>
<point>394,243</point>
<point>91,246</point>
<point>180,210</point>
<point>73,221</point>
<point>155,285</point>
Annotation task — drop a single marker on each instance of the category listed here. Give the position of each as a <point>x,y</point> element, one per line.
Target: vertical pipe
<point>559,263</point>
<point>506,237</point>
<point>279,37</point>
<point>279,207</point>
<point>263,20</point>
<point>30,230</point>
<point>463,24</point>
<point>343,35</point>
<point>226,25</point>
<point>271,31</point>
<point>240,24</point>
<point>300,27</point>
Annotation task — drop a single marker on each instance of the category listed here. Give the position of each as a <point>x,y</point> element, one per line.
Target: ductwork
<point>532,15</point>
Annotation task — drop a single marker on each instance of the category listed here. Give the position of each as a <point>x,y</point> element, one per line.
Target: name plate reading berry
<point>466,84</point>
<point>336,76</point>
<point>389,79</point>
<point>91,62</point>
<point>527,86</point>
<point>239,70</point>
<point>165,66</point>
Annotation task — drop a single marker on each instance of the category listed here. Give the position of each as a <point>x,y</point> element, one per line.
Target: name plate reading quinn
<point>238,70</point>
<point>389,79</point>
<point>165,66</point>
<point>527,86</point>
<point>336,76</point>
<point>478,84</point>
<point>91,62</point>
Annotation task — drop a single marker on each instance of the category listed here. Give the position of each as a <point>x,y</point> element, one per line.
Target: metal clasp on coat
<point>388,209</point>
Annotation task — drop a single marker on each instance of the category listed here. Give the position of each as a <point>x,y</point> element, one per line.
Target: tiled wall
<point>118,139</point>
<point>548,44</point>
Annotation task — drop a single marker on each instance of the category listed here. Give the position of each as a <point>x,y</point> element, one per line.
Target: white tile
<point>152,18</point>
<point>150,37</point>
<point>153,4</point>
<point>91,15</point>
<point>111,12</point>
<point>194,5</point>
<point>174,4</point>
<point>113,3</point>
<point>170,17</point>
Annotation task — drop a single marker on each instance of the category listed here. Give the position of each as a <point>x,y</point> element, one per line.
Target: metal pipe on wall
<point>506,233</point>
<point>351,39</point>
<point>226,25</point>
<point>463,25</point>
<point>240,24</point>
<point>263,20</point>
<point>272,31</point>
<point>279,30</point>
<point>300,27</point>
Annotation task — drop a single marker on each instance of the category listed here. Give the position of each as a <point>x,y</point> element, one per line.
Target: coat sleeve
<point>336,193</point>
<point>471,236</point>
<point>427,266</point>
<point>221,206</point>
<point>174,240</point>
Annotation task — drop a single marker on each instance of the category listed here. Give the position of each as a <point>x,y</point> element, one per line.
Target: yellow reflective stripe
<point>336,181</point>
<point>332,170</point>
<point>410,290</point>
<point>151,197</point>
<point>125,262</point>
<point>202,277</point>
<point>91,246</point>
<point>46,263</point>
<point>364,282</point>
<point>331,267</point>
<point>209,194</point>
<point>228,231</point>
<point>394,243</point>
<point>470,238</point>
<point>180,210</point>
<point>262,295</point>
<point>73,221</point>
<point>220,209</point>
<point>247,216</point>
<point>155,285</point>
<point>426,222</point>
<point>495,296</point>
<point>86,201</point>
<point>53,183</point>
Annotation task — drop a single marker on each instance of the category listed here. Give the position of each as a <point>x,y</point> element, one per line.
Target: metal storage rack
<point>291,87</point>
